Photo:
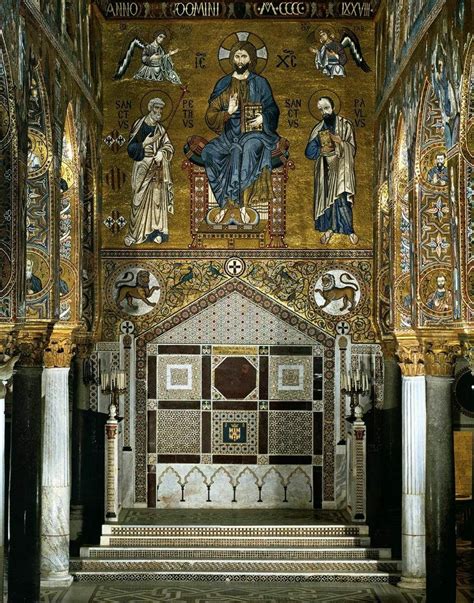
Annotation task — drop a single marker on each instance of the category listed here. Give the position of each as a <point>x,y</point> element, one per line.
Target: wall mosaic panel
<point>10,213</point>
<point>40,227</point>
<point>467,182</point>
<point>194,210</point>
<point>322,291</point>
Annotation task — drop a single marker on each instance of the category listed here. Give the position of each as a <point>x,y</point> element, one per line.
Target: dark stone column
<point>440,495</point>
<point>392,452</point>
<point>79,408</point>
<point>24,563</point>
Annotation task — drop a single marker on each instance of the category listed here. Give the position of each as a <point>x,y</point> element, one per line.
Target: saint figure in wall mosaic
<point>153,196</point>
<point>332,147</point>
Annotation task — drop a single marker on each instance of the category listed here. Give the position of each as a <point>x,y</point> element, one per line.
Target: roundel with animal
<point>136,291</point>
<point>336,292</point>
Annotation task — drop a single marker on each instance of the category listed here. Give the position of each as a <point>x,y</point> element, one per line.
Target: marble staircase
<point>318,553</point>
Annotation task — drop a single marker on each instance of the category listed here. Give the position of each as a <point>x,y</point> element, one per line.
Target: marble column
<point>56,484</point>
<point>440,487</point>
<point>25,482</point>
<point>413,467</point>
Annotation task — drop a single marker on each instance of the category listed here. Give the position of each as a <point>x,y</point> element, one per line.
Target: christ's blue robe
<point>234,160</point>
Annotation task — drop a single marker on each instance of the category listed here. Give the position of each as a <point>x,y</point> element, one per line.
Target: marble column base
<point>412,583</point>
<point>57,581</point>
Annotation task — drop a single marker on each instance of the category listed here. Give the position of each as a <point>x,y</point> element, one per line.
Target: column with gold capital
<point>56,482</point>
<point>24,559</point>
<point>411,361</point>
<point>440,356</point>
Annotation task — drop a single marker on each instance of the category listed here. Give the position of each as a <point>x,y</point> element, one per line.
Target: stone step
<point>255,531</point>
<point>306,554</point>
<point>235,542</point>
<point>233,565</point>
<point>272,576</point>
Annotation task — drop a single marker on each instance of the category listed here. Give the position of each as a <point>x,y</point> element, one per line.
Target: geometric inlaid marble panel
<point>290,432</point>
<point>178,431</point>
<point>291,378</point>
<point>235,320</point>
<point>234,377</point>
<point>179,377</point>
<point>234,432</point>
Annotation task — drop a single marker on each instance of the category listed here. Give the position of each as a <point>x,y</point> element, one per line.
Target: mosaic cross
<point>343,327</point>
<point>127,327</point>
<point>234,266</point>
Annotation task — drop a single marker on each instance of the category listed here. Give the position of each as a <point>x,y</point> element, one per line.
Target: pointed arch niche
<point>69,226</point>
<point>41,265</point>
<point>401,241</point>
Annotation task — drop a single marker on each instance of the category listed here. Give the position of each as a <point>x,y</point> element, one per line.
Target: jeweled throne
<point>270,230</point>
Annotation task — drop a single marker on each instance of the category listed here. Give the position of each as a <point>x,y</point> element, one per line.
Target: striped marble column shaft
<point>56,486</point>
<point>413,481</point>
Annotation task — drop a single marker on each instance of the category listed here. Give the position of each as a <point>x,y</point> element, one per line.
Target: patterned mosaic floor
<point>231,517</point>
<point>197,592</point>
<point>214,592</point>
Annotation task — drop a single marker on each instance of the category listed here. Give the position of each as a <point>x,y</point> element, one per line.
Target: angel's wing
<point>350,40</point>
<point>125,62</point>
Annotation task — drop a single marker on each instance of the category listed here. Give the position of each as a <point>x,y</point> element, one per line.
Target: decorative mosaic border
<point>337,254</point>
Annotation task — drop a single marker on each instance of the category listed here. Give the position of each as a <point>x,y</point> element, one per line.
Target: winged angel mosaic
<point>157,64</point>
<point>330,56</point>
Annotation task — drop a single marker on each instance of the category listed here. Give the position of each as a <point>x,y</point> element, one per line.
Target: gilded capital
<point>411,359</point>
<point>31,345</point>
<point>59,353</point>
<point>467,350</point>
<point>440,357</point>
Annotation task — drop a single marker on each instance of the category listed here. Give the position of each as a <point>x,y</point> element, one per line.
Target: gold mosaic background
<point>288,84</point>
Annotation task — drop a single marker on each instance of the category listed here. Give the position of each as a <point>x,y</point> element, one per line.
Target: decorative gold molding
<point>411,358</point>
<point>440,356</point>
<point>59,352</point>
